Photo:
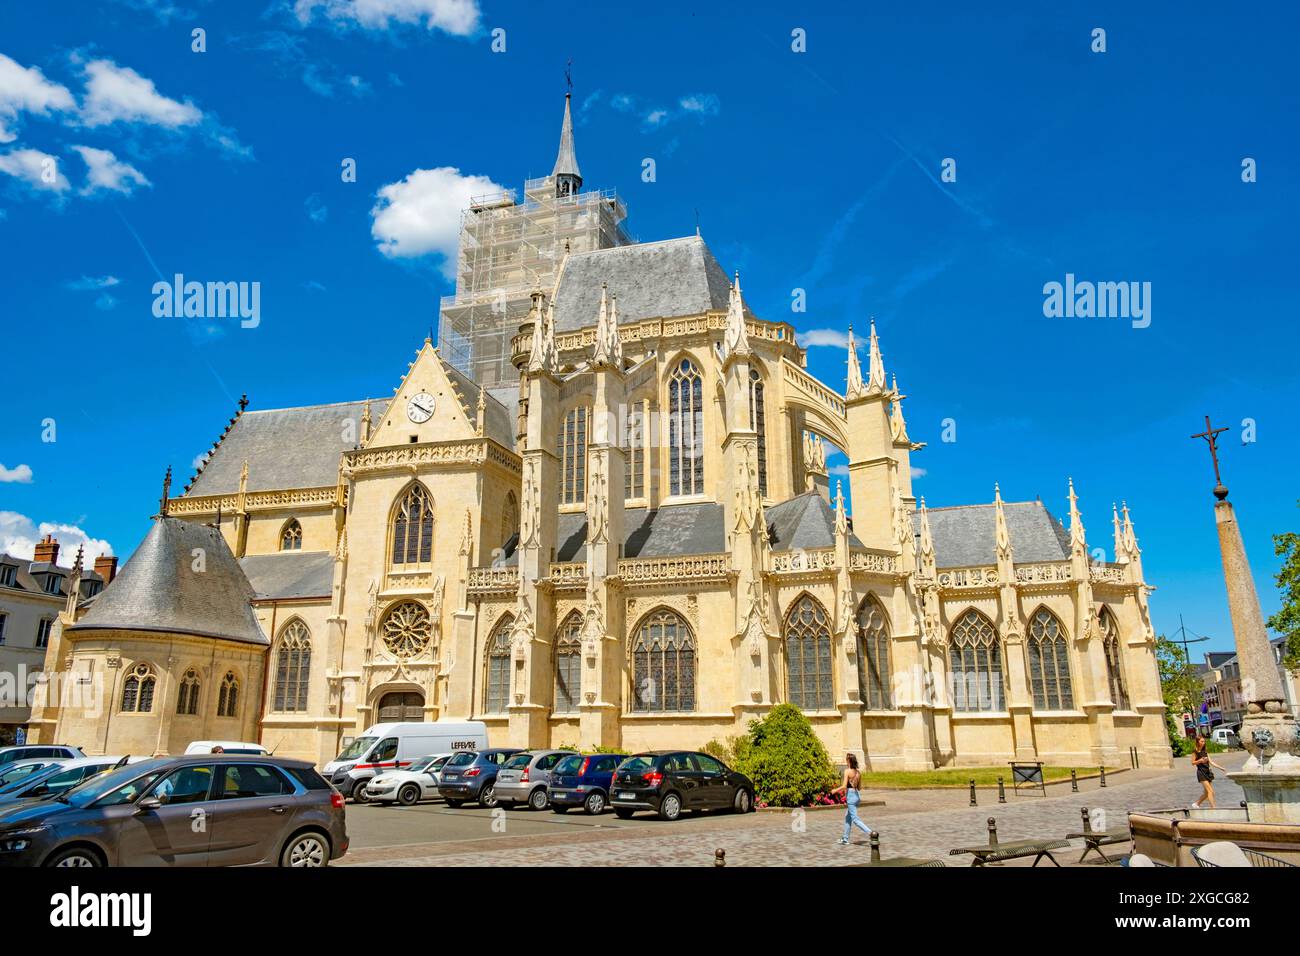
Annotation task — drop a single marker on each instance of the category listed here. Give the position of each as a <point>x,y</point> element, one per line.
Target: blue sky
<point>818,170</point>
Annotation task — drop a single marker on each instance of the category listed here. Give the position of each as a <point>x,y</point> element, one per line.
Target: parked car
<point>669,782</point>
<point>11,754</point>
<point>523,778</point>
<point>471,776</point>
<point>57,779</point>
<point>1226,737</point>
<point>227,747</point>
<point>417,782</point>
<point>19,769</point>
<point>579,781</point>
<point>257,810</point>
<point>393,747</point>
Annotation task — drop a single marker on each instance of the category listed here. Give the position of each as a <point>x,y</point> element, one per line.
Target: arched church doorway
<point>401,705</point>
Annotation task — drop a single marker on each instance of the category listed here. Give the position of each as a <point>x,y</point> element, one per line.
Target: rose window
<point>406,630</point>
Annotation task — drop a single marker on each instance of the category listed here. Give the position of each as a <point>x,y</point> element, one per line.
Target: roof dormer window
<point>52,582</point>
<point>8,576</point>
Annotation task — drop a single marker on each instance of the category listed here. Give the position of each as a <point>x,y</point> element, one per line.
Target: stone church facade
<point>629,540</point>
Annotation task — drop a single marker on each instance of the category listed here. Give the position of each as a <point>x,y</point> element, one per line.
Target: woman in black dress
<point>1202,762</point>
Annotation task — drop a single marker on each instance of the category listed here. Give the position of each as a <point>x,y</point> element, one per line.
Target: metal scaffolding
<point>507,249</point>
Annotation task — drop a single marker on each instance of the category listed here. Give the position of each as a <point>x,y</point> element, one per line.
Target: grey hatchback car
<point>525,777</point>
<point>205,810</point>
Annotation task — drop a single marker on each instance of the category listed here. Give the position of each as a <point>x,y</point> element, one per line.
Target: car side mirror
<point>148,805</point>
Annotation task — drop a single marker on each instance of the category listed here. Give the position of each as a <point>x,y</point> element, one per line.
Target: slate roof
<point>290,574</point>
<point>665,279</point>
<point>662,532</point>
<point>159,589</point>
<point>25,568</point>
<point>498,420</point>
<point>284,447</point>
<point>964,534</point>
<point>804,521</point>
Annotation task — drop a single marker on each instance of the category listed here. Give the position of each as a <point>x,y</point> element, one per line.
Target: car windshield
<point>136,775</point>
<point>639,763</point>
<point>21,782</point>
<point>569,764</point>
<point>462,759</point>
<point>518,762</point>
<point>421,763</point>
<point>20,771</point>
<point>356,748</point>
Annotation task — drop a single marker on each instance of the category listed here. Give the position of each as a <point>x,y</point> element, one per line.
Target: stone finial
<point>854,386</point>
<point>74,583</point>
<point>165,500</point>
<point>544,357</point>
<point>1130,537</point>
<point>365,422</point>
<point>897,424</point>
<point>1078,537</point>
<point>927,543</point>
<point>608,352</point>
<point>876,367</point>
<point>1002,534</point>
<point>841,516</point>
<point>735,340</point>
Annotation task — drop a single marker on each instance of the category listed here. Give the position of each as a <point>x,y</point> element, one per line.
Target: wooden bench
<point>1094,840</point>
<point>996,852</point>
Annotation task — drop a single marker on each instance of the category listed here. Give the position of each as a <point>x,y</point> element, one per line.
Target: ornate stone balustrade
<point>569,575</point>
<point>803,561</point>
<point>812,388</point>
<point>1108,573</point>
<point>471,451</point>
<point>967,578</point>
<point>253,501</point>
<point>1043,573</point>
<point>493,579</point>
<point>700,567</point>
<point>873,561</point>
<point>409,581</point>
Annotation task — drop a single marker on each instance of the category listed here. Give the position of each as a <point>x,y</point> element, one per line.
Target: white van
<point>394,747</point>
<point>227,747</point>
<point>1226,737</point>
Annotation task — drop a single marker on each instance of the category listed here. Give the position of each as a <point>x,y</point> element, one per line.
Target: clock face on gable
<point>420,408</point>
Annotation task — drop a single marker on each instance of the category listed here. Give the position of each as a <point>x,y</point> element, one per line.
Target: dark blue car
<point>471,776</point>
<point>579,781</point>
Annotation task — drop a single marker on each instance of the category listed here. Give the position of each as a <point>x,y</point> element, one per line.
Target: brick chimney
<point>47,549</point>
<point>106,568</point>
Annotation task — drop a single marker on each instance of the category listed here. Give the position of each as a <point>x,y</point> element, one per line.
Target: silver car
<point>525,776</point>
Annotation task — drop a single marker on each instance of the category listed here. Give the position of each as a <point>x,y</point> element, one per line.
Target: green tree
<point>1181,688</point>
<point>785,759</point>
<point>1287,621</point>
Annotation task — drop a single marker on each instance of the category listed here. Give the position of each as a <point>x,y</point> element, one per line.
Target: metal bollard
<point>1074,780</point>
<point>719,857</point>
<point>1002,792</point>
<point>875,846</point>
<point>993,832</point>
<point>973,801</point>
<point>1087,820</point>
<point>1103,776</point>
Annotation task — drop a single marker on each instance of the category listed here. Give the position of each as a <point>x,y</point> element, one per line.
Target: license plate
<point>627,796</point>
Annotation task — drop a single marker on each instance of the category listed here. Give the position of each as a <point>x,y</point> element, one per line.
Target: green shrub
<point>785,759</point>
<point>729,752</point>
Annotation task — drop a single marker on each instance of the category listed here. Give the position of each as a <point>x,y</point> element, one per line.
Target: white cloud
<point>22,474</point>
<point>120,94</point>
<point>704,104</point>
<point>199,461</point>
<point>106,302</point>
<point>91,283</point>
<point>39,170</point>
<point>655,117</point>
<point>106,171</point>
<point>25,89</point>
<point>832,337</point>
<point>19,534</point>
<point>421,213</point>
<point>458,17</point>
<point>918,472</point>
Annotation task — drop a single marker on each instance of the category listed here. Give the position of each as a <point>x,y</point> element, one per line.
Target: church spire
<point>1078,537</point>
<point>568,179</point>
<point>897,424</point>
<point>1001,533</point>
<point>736,337</point>
<point>876,369</point>
<point>855,387</point>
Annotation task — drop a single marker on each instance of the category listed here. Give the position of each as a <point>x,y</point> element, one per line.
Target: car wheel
<point>594,805</point>
<point>742,803</point>
<point>306,850</point>
<point>622,814</point>
<point>359,794</point>
<point>488,795</point>
<point>409,795</point>
<point>670,807</point>
<point>75,856</point>
<point>455,804</point>
<point>537,800</point>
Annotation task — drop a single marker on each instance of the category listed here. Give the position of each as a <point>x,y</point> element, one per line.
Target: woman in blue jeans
<point>850,787</point>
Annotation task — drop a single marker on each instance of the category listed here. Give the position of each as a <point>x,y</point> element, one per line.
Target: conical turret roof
<point>566,161</point>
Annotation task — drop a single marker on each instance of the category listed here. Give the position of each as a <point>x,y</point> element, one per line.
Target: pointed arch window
<point>808,656</point>
<point>663,665</point>
<point>685,430</point>
<point>413,527</point>
<point>573,456</point>
<point>568,664</point>
<point>975,664</point>
<point>137,690</point>
<point>634,445</point>
<point>497,696</point>
<point>187,698</point>
<point>228,696</point>
<point>1049,663</point>
<point>873,655</point>
<point>758,422</point>
<point>291,536</point>
<point>293,668</point>
<point>1114,667</point>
